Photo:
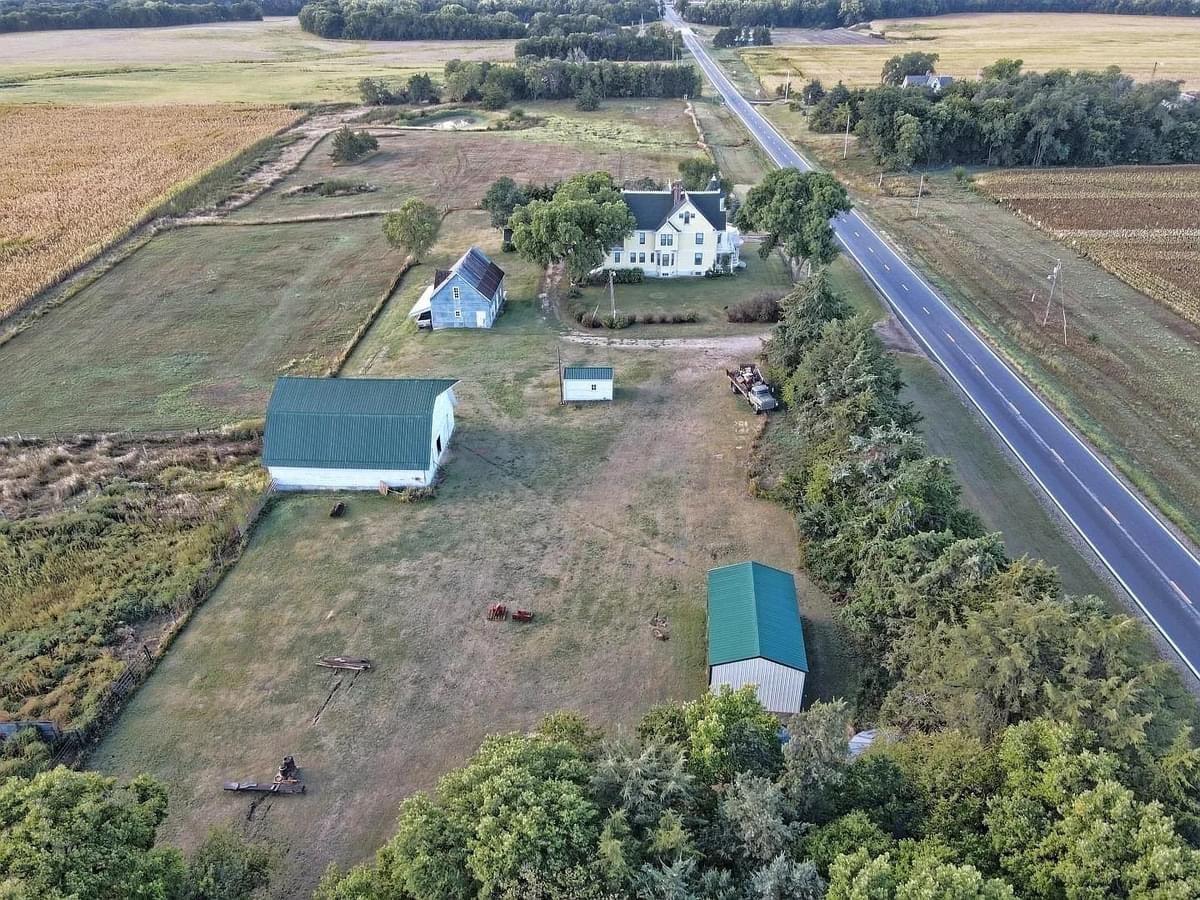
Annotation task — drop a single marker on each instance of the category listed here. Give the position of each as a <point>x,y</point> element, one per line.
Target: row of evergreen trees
<point>619,44</point>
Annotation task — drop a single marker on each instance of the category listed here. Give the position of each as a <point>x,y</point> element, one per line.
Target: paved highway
<point>1159,571</point>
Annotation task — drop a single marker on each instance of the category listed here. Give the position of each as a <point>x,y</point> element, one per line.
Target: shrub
<point>759,308</point>
<point>588,99</point>
<point>351,145</point>
<point>620,276</point>
<point>960,174</point>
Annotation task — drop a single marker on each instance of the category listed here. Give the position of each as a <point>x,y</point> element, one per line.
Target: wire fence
<point>74,743</point>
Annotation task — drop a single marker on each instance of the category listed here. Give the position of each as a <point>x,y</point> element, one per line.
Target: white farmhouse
<point>357,433</point>
<point>678,233</point>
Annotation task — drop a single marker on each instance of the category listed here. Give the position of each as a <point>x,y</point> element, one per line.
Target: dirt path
<point>733,345</point>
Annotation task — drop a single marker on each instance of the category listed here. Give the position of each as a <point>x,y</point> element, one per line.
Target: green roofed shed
<point>755,635</point>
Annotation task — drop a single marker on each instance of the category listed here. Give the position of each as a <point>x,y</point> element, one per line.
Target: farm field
<point>193,328</point>
<point>967,42</point>
<point>990,262</point>
<point>272,61</point>
<point>453,169</point>
<point>77,178</point>
<point>1139,222</point>
<point>596,518</point>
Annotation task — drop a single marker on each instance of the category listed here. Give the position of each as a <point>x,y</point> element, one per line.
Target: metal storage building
<point>754,634</point>
<point>356,433</point>
<point>584,383</point>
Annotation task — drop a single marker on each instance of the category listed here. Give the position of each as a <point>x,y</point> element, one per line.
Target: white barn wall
<point>295,478</point>
<point>576,390</point>
<point>780,688</point>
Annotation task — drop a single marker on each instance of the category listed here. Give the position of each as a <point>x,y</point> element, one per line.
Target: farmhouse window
<point>699,259</point>
<point>666,240</point>
<point>687,217</point>
<point>616,256</point>
<point>642,257</point>
<point>699,237</point>
<point>641,237</point>
<point>456,293</point>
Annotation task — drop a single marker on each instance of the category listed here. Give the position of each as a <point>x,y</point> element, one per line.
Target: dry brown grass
<point>77,178</point>
<point>1140,223</point>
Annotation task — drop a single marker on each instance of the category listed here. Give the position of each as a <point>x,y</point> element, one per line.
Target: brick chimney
<point>676,192</point>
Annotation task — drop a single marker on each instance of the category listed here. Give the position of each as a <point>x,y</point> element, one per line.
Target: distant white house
<point>357,433</point>
<point>583,384</point>
<point>935,83</point>
<point>678,232</point>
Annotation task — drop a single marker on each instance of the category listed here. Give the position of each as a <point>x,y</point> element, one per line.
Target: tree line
<point>42,15</point>
<point>1009,117</point>
<point>406,20</point>
<point>554,79</point>
<point>620,44</point>
<point>836,13</point>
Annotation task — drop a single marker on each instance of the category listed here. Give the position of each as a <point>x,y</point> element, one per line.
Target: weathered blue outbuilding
<point>470,294</point>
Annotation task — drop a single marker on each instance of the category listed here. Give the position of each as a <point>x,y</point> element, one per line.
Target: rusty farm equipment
<point>286,781</point>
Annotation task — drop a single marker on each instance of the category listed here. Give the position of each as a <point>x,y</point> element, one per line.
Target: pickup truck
<point>748,381</point>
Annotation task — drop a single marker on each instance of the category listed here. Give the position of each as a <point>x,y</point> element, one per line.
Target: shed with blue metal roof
<point>755,635</point>
<point>583,384</point>
<point>357,433</point>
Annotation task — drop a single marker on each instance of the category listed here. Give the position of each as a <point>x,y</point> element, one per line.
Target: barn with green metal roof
<point>755,635</point>
<point>357,433</point>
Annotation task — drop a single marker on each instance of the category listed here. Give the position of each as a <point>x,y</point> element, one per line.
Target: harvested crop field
<point>1139,222</point>
<point>78,178</point>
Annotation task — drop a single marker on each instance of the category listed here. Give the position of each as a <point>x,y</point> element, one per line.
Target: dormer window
<point>687,217</point>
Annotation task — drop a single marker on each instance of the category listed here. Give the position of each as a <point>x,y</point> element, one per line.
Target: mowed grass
<point>454,169</point>
<point>272,61</point>
<point>967,42</point>
<point>710,298</point>
<point>193,328</point>
<point>596,518</point>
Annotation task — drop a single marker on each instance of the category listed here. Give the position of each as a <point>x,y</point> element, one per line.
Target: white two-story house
<point>678,233</point>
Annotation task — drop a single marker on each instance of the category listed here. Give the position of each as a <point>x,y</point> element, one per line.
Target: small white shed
<point>581,384</point>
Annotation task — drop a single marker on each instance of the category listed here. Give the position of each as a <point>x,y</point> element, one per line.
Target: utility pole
<point>920,191</point>
<point>1053,279</point>
<point>612,296</point>
<point>846,141</point>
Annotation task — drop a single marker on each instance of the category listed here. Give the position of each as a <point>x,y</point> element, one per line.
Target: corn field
<point>78,178</point>
<point>1139,222</point>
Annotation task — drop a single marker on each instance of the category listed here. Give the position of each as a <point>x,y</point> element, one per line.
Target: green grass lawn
<point>709,297</point>
<point>596,517</point>
<point>193,328</point>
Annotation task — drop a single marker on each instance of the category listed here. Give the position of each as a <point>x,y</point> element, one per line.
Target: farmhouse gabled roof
<point>588,373</point>
<point>652,209</point>
<point>752,613</point>
<point>352,423</point>
<point>476,269</point>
